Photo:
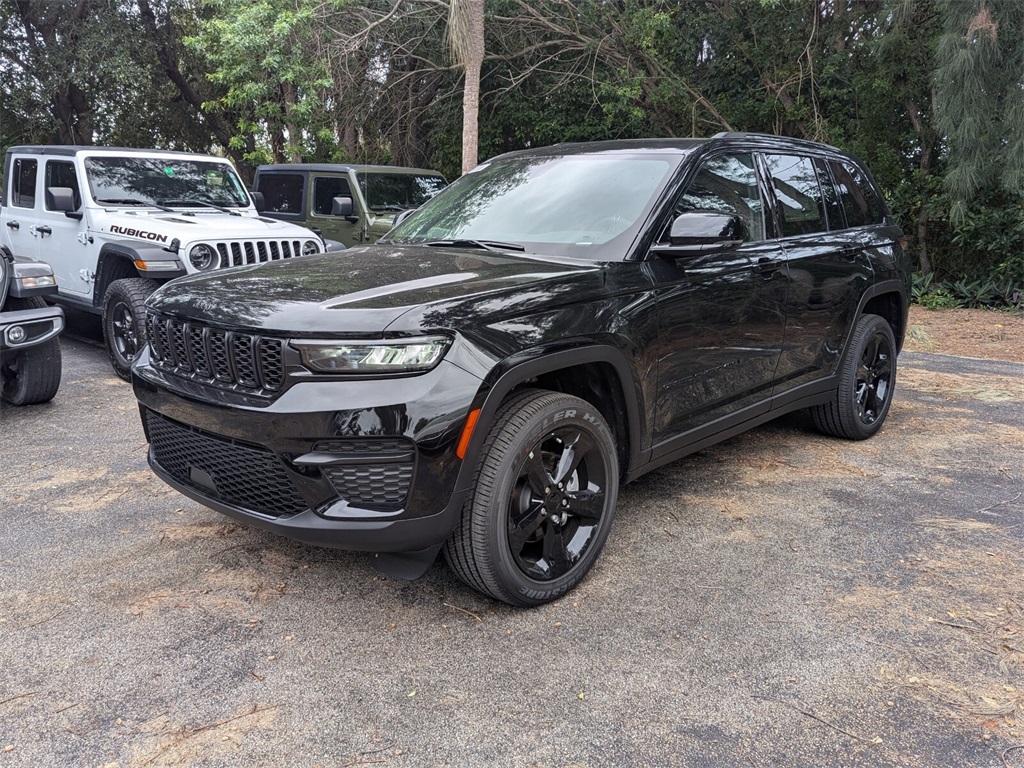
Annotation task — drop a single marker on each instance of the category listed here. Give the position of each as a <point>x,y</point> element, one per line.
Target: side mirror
<point>259,201</point>
<point>62,199</point>
<point>342,206</point>
<point>697,233</point>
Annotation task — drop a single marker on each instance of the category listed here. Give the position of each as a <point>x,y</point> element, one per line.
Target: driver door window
<point>727,184</point>
<point>325,189</point>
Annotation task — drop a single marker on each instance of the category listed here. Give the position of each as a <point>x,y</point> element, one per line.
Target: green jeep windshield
<point>398,191</point>
<point>140,180</point>
<point>583,206</point>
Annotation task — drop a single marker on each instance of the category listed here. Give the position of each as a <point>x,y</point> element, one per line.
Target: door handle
<point>766,266</point>
<point>44,230</point>
<point>13,225</point>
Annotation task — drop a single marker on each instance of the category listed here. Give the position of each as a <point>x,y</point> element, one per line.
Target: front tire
<point>544,496</point>
<point>867,378</point>
<point>30,375</point>
<point>124,321</point>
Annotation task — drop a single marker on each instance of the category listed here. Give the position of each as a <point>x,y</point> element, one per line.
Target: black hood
<point>362,290</point>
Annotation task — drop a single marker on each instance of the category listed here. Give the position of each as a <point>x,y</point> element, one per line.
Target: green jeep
<point>349,203</point>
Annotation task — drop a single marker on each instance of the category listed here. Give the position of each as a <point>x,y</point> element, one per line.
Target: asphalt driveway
<point>780,599</point>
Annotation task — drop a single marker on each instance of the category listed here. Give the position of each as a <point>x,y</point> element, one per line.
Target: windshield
<point>584,206</point>
<point>398,191</point>
<point>160,181</point>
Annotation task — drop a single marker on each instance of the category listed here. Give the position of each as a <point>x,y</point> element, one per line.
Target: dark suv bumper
<point>324,463</point>
<point>37,326</point>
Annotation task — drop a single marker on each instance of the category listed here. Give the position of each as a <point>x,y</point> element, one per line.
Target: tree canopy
<point>928,93</point>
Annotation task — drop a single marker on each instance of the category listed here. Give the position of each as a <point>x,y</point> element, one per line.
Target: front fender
<point>517,371</point>
<point>125,258</point>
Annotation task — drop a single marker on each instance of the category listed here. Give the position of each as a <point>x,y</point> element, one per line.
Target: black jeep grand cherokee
<point>556,322</point>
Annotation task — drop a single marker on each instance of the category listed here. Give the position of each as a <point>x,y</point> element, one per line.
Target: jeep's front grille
<point>237,254</point>
<point>376,471</point>
<point>226,359</point>
<point>239,474</point>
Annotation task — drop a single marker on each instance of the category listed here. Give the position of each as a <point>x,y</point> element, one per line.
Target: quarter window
<point>62,174</point>
<point>859,200</point>
<point>282,192</point>
<point>799,198</point>
<point>23,185</point>
<point>727,184</point>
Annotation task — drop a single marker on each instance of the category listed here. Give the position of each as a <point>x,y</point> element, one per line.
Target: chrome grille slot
<point>179,349</point>
<point>197,345</point>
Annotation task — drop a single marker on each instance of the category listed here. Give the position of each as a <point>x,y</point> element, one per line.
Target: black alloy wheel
<point>546,485</point>
<point>867,379</point>
<point>557,503</point>
<point>874,378</point>
<point>124,321</point>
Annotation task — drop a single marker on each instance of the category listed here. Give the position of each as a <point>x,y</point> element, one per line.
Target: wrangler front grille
<point>237,254</point>
<point>226,359</point>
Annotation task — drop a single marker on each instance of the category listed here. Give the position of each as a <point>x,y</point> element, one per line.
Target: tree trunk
<point>927,139</point>
<point>466,38</point>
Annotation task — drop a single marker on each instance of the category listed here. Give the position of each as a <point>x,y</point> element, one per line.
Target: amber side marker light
<point>467,433</point>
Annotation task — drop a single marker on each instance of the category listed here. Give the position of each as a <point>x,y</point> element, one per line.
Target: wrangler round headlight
<point>309,247</point>
<point>203,257</point>
<point>398,356</point>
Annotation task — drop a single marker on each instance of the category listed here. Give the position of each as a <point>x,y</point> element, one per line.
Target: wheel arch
<point>117,260</point>
<point>888,300</point>
<point>598,374</point>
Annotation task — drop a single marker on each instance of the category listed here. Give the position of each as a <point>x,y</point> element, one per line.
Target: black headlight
<point>203,257</point>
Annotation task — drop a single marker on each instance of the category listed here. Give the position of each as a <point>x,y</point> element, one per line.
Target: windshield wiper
<point>486,245</point>
<point>185,201</point>
<point>132,201</point>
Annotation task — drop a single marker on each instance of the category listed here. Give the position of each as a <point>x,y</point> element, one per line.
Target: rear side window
<point>858,197</point>
<point>798,194</point>
<point>325,189</point>
<point>23,183</point>
<point>60,173</point>
<point>282,192</point>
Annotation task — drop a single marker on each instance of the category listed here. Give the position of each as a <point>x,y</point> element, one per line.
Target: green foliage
<point>261,52</point>
<point>967,294</point>
<point>927,92</point>
<point>979,101</point>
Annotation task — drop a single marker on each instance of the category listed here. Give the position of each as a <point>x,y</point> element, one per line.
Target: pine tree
<point>979,98</point>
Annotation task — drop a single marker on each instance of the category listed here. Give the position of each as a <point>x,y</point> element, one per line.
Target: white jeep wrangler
<point>116,223</point>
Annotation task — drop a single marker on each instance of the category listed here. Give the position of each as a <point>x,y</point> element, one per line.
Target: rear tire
<point>543,500</point>
<point>124,321</point>
<point>30,375</point>
<point>867,379</point>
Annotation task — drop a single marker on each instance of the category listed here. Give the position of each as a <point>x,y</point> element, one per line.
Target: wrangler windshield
<point>161,181</point>
<point>583,206</point>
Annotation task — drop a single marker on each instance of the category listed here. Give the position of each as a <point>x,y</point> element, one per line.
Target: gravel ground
<point>780,599</point>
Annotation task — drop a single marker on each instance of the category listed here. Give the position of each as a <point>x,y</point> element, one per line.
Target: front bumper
<point>359,465</point>
<point>36,326</point>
